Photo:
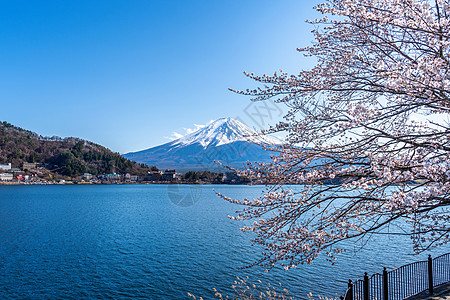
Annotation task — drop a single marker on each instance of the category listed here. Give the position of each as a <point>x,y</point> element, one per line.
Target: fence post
<point>385,284</point>
<point>430,274</point>
<point>366,287</point>
<point>350,290</point>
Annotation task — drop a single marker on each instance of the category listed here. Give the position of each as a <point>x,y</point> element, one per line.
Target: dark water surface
<point>149,242</point>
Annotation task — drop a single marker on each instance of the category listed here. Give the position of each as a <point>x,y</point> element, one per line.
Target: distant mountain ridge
<point>225,140</point>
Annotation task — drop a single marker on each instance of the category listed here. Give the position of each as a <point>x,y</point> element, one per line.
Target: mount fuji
<point>225,140</point>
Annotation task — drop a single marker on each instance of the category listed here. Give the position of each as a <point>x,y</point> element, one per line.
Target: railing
<point>403,282</point>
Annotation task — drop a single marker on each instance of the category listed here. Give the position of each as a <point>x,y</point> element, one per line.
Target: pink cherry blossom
<point>367,134</point>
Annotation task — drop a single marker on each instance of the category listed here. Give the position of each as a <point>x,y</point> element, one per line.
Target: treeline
<point>194,176</point>
<point>68,156</point>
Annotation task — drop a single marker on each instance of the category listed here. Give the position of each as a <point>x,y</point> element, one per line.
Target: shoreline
<point>121,183</point>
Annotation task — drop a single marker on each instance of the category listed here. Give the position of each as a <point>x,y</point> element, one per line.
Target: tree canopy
<point>367,134</point>
<point>65,156</point>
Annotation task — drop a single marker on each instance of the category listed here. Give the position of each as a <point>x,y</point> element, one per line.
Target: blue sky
<point>128,74</point>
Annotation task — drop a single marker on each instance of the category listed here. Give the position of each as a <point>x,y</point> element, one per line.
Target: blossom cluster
<point>367,141</point>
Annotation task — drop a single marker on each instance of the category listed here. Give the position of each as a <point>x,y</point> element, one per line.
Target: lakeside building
<point>169,175</point>
<point>5,167</point>
<point>29,166</point>
<point>178,177</point>
<point>113,177</point>
<point>86,176</point>
<point>135,178</point>
<point>127,177</point>
<point>154,176</point>
<point>6,176</point>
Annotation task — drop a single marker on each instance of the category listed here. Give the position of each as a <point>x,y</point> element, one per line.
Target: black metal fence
<point>402,282</point>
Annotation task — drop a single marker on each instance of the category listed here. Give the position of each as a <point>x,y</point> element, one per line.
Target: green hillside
<point>65,156</point>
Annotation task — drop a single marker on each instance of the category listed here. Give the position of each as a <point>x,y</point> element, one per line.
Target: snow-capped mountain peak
<point>225,140</point>
<point>224,131</point>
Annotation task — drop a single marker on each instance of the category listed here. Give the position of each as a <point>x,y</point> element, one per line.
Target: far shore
<point>119,183</point>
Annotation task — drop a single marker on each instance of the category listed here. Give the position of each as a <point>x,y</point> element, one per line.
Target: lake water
<point>151,242</point>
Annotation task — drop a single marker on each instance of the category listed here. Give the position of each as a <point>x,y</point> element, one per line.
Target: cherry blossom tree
<point>367,134</point>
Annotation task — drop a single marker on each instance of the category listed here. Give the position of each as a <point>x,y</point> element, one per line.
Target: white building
<point>6,176</point>
<point>86,176</point>
<point>5,167</point>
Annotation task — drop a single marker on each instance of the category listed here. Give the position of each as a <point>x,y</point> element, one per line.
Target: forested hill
<point>65,156</point>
